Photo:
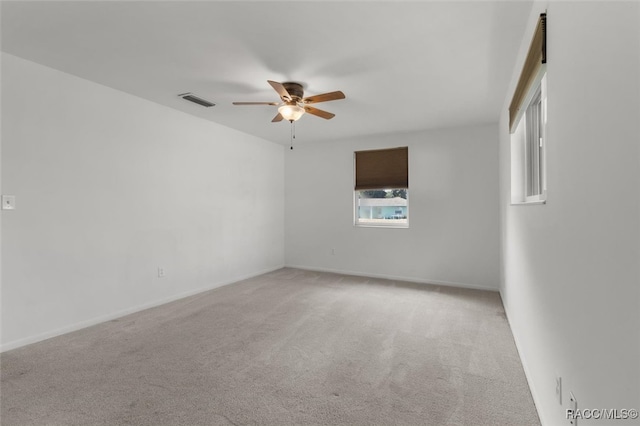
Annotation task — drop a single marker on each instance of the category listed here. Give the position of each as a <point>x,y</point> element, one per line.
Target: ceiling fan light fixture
<point>291,112</point>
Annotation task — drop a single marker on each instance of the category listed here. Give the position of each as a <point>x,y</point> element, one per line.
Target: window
<point>528,121</point>
<point>381,188</point>
<point>528,149</point>
<point>534,145</point>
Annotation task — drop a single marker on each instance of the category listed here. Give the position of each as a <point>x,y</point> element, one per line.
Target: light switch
<point>8,202</point>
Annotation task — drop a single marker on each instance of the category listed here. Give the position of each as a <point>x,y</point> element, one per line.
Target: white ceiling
<point>403,65</point>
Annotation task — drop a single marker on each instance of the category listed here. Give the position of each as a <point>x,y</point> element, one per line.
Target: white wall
<point>571,268</point>
<point>453,209</point>
<point>109,187</point>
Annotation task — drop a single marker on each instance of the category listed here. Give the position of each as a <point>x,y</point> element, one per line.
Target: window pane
<point>533,158</point>
<point>382,207</point>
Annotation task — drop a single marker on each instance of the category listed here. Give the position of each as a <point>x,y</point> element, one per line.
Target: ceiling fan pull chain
<point>292,135</point>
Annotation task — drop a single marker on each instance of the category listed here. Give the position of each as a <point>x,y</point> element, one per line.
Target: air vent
<point>196,100</point>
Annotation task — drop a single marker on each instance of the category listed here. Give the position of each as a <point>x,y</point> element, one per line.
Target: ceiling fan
<point>294,104</point>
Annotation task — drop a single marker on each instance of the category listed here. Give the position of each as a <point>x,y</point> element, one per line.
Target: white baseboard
<point>525,366</point>
<point>118,314</point>
<point>395,277</point>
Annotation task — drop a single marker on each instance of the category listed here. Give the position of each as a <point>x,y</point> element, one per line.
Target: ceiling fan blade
<point>331,96</point>
<point>256,103</point>
<point>318,112</point>
<point>277,118</point>
<point>280,89</point>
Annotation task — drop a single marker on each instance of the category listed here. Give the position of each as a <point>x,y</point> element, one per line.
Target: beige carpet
<point>289,347</point>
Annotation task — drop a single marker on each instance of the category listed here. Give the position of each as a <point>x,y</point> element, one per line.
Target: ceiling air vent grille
<point>196,100</point>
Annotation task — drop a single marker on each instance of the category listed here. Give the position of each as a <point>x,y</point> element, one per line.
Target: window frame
<point>536,165</point>
<point>520,148</point>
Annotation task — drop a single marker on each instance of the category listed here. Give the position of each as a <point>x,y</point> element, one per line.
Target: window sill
<point>368,225</point>
<point>528,203</point>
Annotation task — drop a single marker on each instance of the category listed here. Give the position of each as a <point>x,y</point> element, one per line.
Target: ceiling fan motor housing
<point>295,90</point>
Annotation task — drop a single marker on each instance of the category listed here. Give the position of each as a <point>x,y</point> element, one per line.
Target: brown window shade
<point>535,58</point>
<point>382,168</point>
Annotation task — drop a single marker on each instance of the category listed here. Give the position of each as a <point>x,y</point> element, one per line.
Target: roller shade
<point>382,168</point>
<point>536,56</point>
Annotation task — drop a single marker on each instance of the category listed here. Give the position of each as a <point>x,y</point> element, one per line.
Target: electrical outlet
<point>8,202</point>
<point>161,272</point>
<point>559,389</point>
<point>573,407</point>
